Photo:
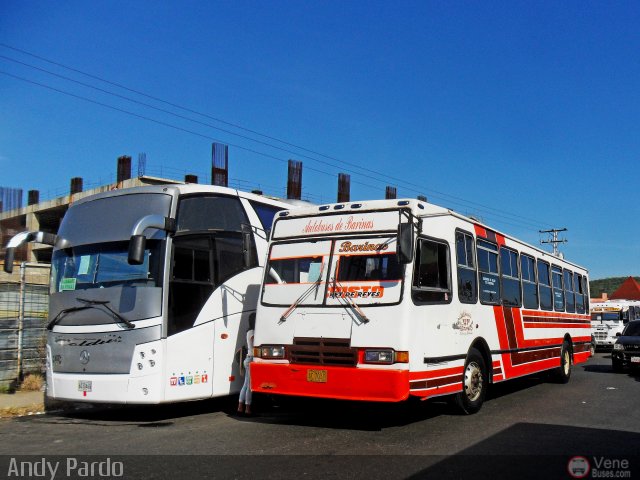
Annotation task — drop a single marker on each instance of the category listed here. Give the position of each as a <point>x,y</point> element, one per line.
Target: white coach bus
<point>382,300</point>
<point>152,290</point>
<point>609,318</point>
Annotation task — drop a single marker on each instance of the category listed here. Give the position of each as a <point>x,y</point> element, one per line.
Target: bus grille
<point>323,351</point>
<point>600,335</point>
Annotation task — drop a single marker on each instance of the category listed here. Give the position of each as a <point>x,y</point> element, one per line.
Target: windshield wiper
<point>90,304</point>
<point>304,295</point>
<point>63,312</point>
<point>354,306</point>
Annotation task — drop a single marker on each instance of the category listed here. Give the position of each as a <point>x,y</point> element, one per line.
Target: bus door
<point>189,365</point>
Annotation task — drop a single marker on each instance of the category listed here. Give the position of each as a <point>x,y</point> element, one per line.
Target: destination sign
<point>336,224</point>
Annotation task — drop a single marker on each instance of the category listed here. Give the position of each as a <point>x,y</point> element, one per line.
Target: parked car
<point>626,350</point>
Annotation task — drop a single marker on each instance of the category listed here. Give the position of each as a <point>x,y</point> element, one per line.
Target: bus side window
<point>544,284</point>
<point>585,293</point>
<point>529,286</point>
<point>510,276</point>
<point>577,283</point>
<point>467,275</point>
<point>569,291</point>
<point>431,276</point>
<point>488,267</point>
<point>558,291</point>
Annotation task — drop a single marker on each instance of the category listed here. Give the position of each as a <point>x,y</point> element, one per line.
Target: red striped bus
<point>383,300</point>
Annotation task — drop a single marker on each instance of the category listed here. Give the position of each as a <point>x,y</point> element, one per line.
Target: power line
<point>192,132</point>
<point>498,212</point>
<point>160,122</point>
<point>523,220</point>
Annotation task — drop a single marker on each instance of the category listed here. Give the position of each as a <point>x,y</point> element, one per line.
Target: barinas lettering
<point>359,224</point>
<point>347,247</point>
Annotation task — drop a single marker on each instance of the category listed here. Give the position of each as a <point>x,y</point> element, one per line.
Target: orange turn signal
<point>402,357</point>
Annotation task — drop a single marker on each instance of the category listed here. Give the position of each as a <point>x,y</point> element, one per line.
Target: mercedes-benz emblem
<point>84,357</point>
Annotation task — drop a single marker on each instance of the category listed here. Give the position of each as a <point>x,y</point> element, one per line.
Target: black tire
<point>592,349</point>
<point>474,383</point>
<point>563,373</point>
<point>617,365</point>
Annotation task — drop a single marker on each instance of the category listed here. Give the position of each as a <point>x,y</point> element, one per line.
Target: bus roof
<point>418,208</point>
<point>191,188</point>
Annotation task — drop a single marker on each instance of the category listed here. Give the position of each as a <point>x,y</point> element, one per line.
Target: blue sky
<point>525,114</point>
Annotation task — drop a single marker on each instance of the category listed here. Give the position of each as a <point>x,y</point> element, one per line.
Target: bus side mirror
<point>246,247</point>
<point>404,243</point>
<point>8,260</point>
<point>137,245</point>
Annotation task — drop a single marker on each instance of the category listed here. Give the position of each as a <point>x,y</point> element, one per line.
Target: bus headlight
<point>385,356</point>
<point>269,351</point>
<point>618,346</point>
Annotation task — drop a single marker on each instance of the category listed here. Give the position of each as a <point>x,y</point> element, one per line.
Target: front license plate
<point>635,359</point>
<point>317,376</point>
<point>84,385</point>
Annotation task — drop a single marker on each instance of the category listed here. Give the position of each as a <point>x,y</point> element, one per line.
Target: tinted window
<point>295,270</point>
<point>544,284</point>
<point>529,286</point>
<point>577,283</point>
<point>210,213</point>
<point>558,292</point>
<point>431,279</point>
<point>488,268</point>
<point>568,291</point>
<point>191,281</point>
<point>265,213</point>
<point>510,277</point>
<point>467,276</point>
<point>632,329</point>
<point>368,268</point>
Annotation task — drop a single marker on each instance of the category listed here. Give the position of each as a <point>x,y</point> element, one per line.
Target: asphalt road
<point>529,428</point>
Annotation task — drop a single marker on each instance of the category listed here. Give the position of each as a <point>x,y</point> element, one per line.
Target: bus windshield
<point>605,316</point>
<point>102,265</point>
<point>325,272</point>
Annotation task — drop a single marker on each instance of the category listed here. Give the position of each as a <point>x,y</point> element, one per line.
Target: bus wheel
<point>592,349</point>
<point>563,373</point>
<point>474,383</point>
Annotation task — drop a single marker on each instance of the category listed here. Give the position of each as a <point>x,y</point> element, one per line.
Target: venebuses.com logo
<point>598,467</point>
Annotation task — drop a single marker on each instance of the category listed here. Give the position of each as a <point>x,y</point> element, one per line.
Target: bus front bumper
<point>104,388</point>
<point>343,383</point>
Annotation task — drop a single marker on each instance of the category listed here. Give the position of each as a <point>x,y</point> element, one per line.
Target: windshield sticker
<point>67,284</point>
<point>314,272</point>
<point>355,292</point>
<point>83,268</point>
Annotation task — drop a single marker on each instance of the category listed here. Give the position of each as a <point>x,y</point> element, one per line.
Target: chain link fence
<point>24,303</point>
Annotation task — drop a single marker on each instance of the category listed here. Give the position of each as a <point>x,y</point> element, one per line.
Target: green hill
<point>606,285</point>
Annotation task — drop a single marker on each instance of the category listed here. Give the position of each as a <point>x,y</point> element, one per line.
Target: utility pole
<point>554,239</point>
